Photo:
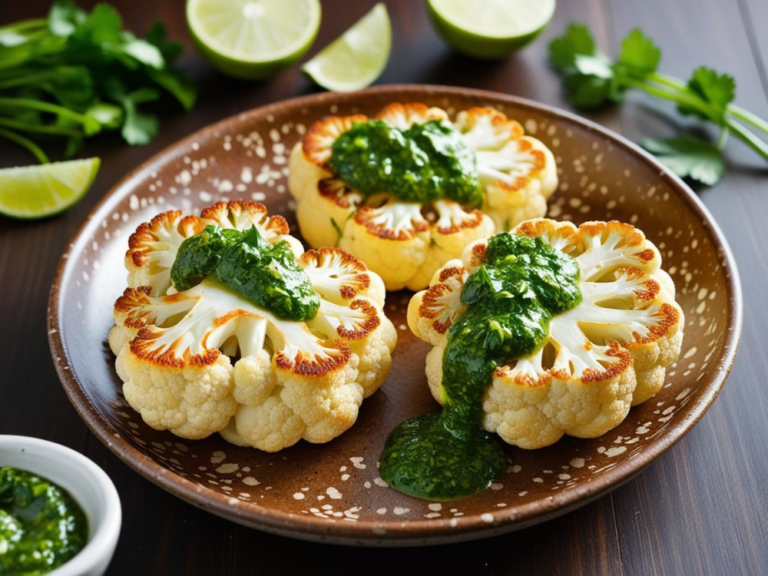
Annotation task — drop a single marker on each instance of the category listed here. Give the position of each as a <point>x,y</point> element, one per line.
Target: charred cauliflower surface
<point>405,242</point>
<point>600,358</point>
<point>205,360</point>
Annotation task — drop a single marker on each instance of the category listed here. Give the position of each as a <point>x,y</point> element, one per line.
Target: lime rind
<point>356,58</point>
<point>464,35</point>
<point>33,192</point>
<point>237,50</point>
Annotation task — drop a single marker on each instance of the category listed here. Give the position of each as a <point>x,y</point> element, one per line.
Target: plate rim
<point>367,532</point>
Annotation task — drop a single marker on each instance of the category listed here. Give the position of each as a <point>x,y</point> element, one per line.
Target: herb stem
<point>722,139</point>
<point>23,80</point>
<point>39,128</point>
<point>25,25</point>
<point>748,117</point>
<point>728,124</point>
<point>678,97</point>
<point>43,107</point>
<point>668,81</point>
<point>748,138</point>
<point>36,151</point>
<point>737,111</point>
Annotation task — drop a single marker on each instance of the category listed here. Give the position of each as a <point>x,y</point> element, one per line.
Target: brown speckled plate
<point>333,492</point>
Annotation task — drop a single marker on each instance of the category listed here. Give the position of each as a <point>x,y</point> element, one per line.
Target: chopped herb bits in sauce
<point>423,163</point>
<point>521,285</point>
<point>41,526</point>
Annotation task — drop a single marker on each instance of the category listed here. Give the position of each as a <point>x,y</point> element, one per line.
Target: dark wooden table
<point>701,509</point>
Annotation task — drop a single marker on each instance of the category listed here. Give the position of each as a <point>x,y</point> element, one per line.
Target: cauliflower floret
<point>405,243</point>
<point>518,172</point>
<point>606,354</point>
<point>153,246</point>
<point>291,380</point>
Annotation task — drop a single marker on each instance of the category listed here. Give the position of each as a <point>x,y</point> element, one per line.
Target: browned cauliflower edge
<point>206,360</point>
<point>602,357</point>
<point>406,242</point>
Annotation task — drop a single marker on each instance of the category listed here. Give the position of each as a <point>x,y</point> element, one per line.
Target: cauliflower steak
<point>206,359</point>
<point>599,358</point>
<point>404,220</point>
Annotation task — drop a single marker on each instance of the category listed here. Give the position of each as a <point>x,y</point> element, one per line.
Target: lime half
<point>38,191</point>
<point>490,28</point>
<point>253,39</point>
<point>355,59</point>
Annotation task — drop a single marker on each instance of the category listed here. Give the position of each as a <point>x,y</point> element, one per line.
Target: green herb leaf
<point>12,38</point>
<point>107,115</point>
<point>688,157</point>
<point>564,49</point>
<point>146,53</point>
<point>639,55</point>
<point>719,90</point>
<point>73,146</point>
<point>101,28</point>
<point>72,86</point>
<point>588,76</point>
<point>339,233</point>
<point>157,37</point>
<point>138,127</point>
<point>177,84</point>
<point>64,18</point>
<point>587,92</point>
<point>77,73</point>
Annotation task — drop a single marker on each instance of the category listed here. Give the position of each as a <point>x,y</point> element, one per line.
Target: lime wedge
<point>490,28</point>
<point>34,192</point>
<point>355,59</point>
<point>253,39</point>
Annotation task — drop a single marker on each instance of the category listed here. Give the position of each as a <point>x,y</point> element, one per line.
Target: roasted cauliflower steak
<point>608,353</point>
<point>405,242</point>
<point>206,360</point>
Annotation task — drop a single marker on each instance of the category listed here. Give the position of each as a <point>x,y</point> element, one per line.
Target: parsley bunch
<point>592,80</point>
<point>73,74</point>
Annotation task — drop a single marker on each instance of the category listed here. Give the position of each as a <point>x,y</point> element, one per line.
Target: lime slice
<point>355,59</point>
<point>490,28</point>
<point>253,39</point>
<point>37,191</point>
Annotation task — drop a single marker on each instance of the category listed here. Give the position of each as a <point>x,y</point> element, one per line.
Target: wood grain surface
<point>701,509</point>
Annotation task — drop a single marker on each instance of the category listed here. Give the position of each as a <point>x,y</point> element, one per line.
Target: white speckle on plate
<point>218,457</point>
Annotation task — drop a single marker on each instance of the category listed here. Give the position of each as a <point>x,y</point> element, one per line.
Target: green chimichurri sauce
<point>266,274</point>
<point>41,526</point>
<point>424,163</point>
<point>510,300</point>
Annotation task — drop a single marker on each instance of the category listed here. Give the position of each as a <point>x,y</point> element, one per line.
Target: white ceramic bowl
<point>88,485</point>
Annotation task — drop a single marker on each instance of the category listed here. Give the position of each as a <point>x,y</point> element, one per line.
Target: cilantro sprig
<point>75,74</point>
<point>592,80</point>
